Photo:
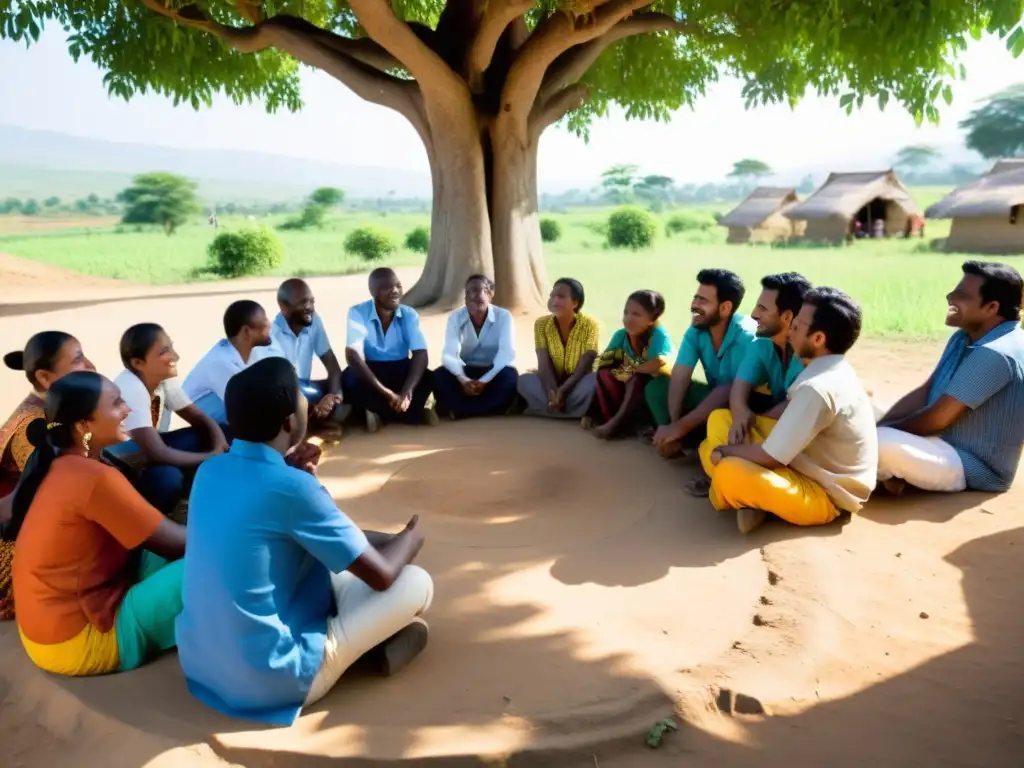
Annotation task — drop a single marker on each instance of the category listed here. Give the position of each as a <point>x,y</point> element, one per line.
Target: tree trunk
<point>484,218</point>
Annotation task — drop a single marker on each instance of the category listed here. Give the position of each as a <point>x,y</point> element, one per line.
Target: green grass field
<point>900,283</point>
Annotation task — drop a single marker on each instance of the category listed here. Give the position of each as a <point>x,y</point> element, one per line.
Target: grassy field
<point>900,283</point>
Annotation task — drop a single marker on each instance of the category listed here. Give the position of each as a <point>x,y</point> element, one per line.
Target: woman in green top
<point>637,351</point>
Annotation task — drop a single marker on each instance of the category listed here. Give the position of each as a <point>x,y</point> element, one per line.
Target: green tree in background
<point>159,198</point>
<point>327,197</point>
<point>481,80</point>
<point>997,129</point>
<point>618,182</point>
<point>750,169</point>
<point>916,157</point>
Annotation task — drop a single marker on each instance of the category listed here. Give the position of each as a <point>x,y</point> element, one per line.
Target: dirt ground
<point>27,225</point>
<point>581,597</point>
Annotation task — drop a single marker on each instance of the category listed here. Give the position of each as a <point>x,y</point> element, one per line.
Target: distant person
<point>822,455</point>
<point>718,339</point>
<point>637,352</point>
<point>152,393</point>
<point>387,379</point>
<point>298,334</point>
<point>878,228</point>
<point>282,591</point>
<point>566,344</point>
<point>963,429</point>
<point>758,394</point>
<point>93,584</point>
<point>247,332</point>
<point>477,377</point>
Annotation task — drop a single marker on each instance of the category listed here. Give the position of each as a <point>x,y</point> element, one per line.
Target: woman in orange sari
<point>47,356</point>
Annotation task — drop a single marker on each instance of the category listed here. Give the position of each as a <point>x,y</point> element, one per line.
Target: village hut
<point>988,213</point>
<point>760,219</point>
<point>848,203</point>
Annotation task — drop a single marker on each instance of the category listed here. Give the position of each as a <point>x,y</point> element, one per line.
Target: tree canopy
<point>997,128</point>
<point>159,198</point>
<point>916,156</point>
<point>327,197</point>
<point>750,168</point>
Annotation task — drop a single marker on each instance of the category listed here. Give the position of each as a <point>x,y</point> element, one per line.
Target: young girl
<point>637,351</point>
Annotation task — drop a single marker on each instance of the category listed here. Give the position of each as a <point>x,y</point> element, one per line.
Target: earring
<point>85,442</point>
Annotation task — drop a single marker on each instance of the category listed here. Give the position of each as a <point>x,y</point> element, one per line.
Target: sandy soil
<point>16,225</point>
<point>581,597</point>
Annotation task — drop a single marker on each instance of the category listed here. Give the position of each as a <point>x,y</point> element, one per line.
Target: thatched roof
<point>762,203</point>
<point>994,194</point>
<point>843,194</point>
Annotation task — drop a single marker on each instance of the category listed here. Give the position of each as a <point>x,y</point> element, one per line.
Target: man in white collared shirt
<point>477,377</point>
<point>247,339</point>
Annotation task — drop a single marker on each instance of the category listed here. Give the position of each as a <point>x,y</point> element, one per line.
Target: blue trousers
<point>363,397</point>
<point>496,398</point>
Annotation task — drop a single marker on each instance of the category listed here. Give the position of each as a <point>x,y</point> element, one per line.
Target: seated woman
<point>92,582</point>
<point>47,356</point>
<point>566,342</point>
<point>149,388</point>
<point>477,377</point>
<point>637,352</point>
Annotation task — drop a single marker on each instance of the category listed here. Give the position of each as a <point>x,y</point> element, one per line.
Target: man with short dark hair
<point>282,592</point>
<point>718,338</point>
<point>387,377</point>
<point>247,340</point>
<point>964,427</point>
<point>822,455</point>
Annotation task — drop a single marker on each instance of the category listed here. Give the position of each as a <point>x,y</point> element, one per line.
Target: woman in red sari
<point>637,351</point>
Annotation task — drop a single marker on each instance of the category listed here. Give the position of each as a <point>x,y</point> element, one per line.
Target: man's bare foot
<point>603,432</point>
<point>699,486</point>
<point>671,450</point>
<point>430,417</point>
<point>895,485</point>
<point>748,519</point>
<point>403,646</point>
<point>373,422</point>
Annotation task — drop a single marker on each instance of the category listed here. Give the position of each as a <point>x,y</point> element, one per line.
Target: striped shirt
<point>565,357</point>
<point>988,377</point>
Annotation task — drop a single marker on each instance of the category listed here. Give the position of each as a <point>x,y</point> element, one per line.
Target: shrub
<point>687,222</point>
<point>631,227</point>
<point>311,216</point>
<point>370,243</point>
<point>250,251</point>
<point>550,230</point>
<point>418,240</point>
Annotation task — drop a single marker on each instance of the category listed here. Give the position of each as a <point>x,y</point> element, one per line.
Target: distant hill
<point>41,164</point>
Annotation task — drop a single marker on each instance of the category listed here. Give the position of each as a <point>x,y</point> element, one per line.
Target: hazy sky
<point>42,88</point>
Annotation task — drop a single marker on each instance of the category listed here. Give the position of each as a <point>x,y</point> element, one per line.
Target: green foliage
<point>327,197</point>
<point>251,251</point>
<point>631,227</point>
<point>689,221</point>
<point>917,156</point>
<point>370,243</point>
<point>311,217</point>
<point>159,198</point>
<point>51,202</point>
<point>10,205</point>
<point>30,208</point>
<point>550,230</point>
<point>418,240</point>
<point>750,168</point>
<point>997,129</point>
<point>618,182</point>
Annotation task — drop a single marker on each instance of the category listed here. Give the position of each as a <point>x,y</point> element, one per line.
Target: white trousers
<point>928,463</point>
<point>367,618</point>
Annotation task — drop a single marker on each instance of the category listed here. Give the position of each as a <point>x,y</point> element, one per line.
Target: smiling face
<point>105,421</point>
<point>766,313</point>
<point>561,302</point>
<point>258,330</point>
<point>387,291</point>
<point>70,358</point>
<point>161,361</point>
<point>478,296</point>
<point>966,307</point>
<point>704,308</point>
<point>300,307</point>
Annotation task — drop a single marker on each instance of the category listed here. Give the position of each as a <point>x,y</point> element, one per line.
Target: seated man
<point>298,334</point>
<point>387,374</point>
<point>281,591</point>
<point>719,338</point>
<point>477,377</point>
<point>822,455</point>
<point>247,331</point>
<point>964,427</point>
<point>770,363</point>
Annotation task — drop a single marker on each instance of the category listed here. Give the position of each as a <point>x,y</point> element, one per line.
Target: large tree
<point>750,169</point>
<point>159,198</point>
<point>480,80</point>
<point>997,128</point>
<point>916,157</point>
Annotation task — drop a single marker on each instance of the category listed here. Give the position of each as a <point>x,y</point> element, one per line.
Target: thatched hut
<point>760,219</point>
<point>987,213</point>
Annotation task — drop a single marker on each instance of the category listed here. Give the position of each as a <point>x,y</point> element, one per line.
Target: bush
<point>418,240</point>
<point>687,222</point>
<point>311,216</point>
<point>550,230</point>
<point>371,243</point>
<point>245,252</point>
<point>631,227</point>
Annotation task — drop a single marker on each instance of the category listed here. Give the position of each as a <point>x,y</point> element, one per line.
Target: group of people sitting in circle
<point>271,593</point>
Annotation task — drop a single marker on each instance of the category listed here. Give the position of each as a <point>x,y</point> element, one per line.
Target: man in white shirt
<point>821,458</point>
<point>247,332</point>
<point>476,377</point>
<point>298,334</point>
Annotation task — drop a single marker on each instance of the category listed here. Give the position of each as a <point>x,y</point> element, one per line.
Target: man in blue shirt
<point>718,338</point>
<point>281,591</point>
<point>386,352</point>
<point>476,377</point>
<point>964,427</point>
<point>298,334</point>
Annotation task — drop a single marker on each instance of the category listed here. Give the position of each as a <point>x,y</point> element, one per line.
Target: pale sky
<point>43,88</point>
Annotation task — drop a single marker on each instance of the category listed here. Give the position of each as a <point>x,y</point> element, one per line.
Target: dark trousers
<point>496,397</point>
<point>164,486</point>
<point>362,396</point>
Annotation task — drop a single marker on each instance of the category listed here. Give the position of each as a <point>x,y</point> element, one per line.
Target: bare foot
<point>895,485</point>
<point>749,520</point>
<point>403,646</point>
<point>430,417</point>
<point>373,422</point>
<point>603,432</point>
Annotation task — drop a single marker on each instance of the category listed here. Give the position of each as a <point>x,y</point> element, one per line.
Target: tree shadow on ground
<point>913,504</point>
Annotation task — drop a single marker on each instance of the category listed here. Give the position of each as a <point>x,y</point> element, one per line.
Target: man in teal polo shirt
<point>718,338</point>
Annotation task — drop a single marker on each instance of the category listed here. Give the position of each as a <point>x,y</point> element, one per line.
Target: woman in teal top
<point>638,351</point>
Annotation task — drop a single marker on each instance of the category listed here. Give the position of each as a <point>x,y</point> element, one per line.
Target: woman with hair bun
<point>93,585</point>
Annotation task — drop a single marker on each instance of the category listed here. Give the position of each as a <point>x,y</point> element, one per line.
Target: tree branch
<point>250,10</point>
<point>499,14</point>
<point>557,107</point>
